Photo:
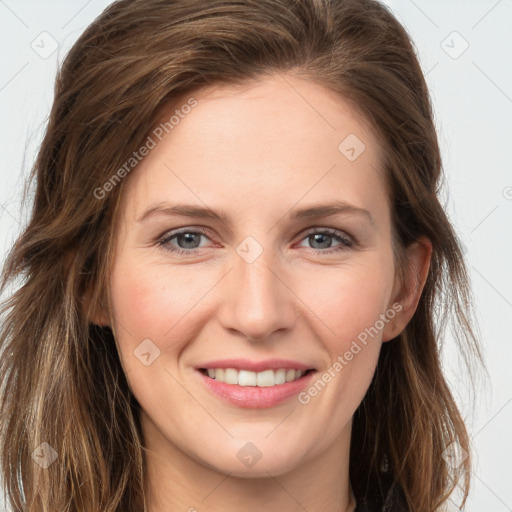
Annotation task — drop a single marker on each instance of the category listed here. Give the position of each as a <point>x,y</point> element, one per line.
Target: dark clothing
<point>394,502</point>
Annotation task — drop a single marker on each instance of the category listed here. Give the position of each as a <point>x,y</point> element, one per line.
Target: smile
<point>263,379</point>
<point>255,390</point>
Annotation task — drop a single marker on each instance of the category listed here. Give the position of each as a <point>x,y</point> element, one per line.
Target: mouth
<point>266,388</point>
<point>262,379</point>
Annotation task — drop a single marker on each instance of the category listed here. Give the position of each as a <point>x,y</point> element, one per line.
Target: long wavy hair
<point>61,378</point>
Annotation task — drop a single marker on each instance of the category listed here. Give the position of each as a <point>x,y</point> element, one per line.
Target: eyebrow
<point>310,212</point>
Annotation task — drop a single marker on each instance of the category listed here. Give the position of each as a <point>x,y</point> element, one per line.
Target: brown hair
<point>61,377</point>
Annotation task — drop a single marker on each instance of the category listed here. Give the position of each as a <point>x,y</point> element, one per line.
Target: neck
<point>178,482</point>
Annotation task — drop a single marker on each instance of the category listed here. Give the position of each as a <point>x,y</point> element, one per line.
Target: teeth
<point>246,378</point>
<point>280,376</point>
<point>263,379</point>
<point>230,376</point>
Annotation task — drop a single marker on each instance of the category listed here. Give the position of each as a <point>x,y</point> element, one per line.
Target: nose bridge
<point>257,302</point>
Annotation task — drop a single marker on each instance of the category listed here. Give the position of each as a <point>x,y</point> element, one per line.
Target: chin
<point>258,459</point>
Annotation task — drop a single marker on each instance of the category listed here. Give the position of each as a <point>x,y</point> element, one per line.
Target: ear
<point>91,304</point>
<point>408,290</point>
<point>95,309</point>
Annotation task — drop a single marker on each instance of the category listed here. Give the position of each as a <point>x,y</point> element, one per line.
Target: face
<point>254,278</point>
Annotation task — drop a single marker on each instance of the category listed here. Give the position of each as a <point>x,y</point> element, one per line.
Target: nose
<point>257,300</point>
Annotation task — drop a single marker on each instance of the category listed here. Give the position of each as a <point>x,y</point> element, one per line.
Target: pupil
<point>189,238</point>
<point>318,238</point>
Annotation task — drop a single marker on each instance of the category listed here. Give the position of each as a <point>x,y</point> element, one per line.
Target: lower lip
<point>254,397</point>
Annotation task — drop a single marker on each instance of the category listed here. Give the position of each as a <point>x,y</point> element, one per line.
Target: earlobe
<point>100,318</point>
<point>405,301</point>
<point>95,310</point>
<point>90,303</point>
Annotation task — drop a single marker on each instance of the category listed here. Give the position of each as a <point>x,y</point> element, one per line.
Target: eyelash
<point>346,241</point>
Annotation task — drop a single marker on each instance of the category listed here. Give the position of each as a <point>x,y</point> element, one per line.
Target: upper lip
<point>255,366</point>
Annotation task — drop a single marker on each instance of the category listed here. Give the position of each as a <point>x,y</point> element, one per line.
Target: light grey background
<point>472,94</point>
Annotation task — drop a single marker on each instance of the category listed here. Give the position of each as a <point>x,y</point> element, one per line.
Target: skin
<point>257,152</point>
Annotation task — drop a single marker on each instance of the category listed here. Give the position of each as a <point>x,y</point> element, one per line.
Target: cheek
<point>347,313</point>
<point>348,300</point>
<point>152,302</point>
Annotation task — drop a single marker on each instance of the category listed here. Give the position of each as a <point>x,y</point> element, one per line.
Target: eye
<point>323,237</point>
<point>187,239</point>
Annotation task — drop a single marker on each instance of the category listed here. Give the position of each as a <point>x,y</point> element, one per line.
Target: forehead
<point>252,141</point>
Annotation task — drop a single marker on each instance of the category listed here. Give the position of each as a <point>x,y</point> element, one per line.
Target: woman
<point>171,346</point>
